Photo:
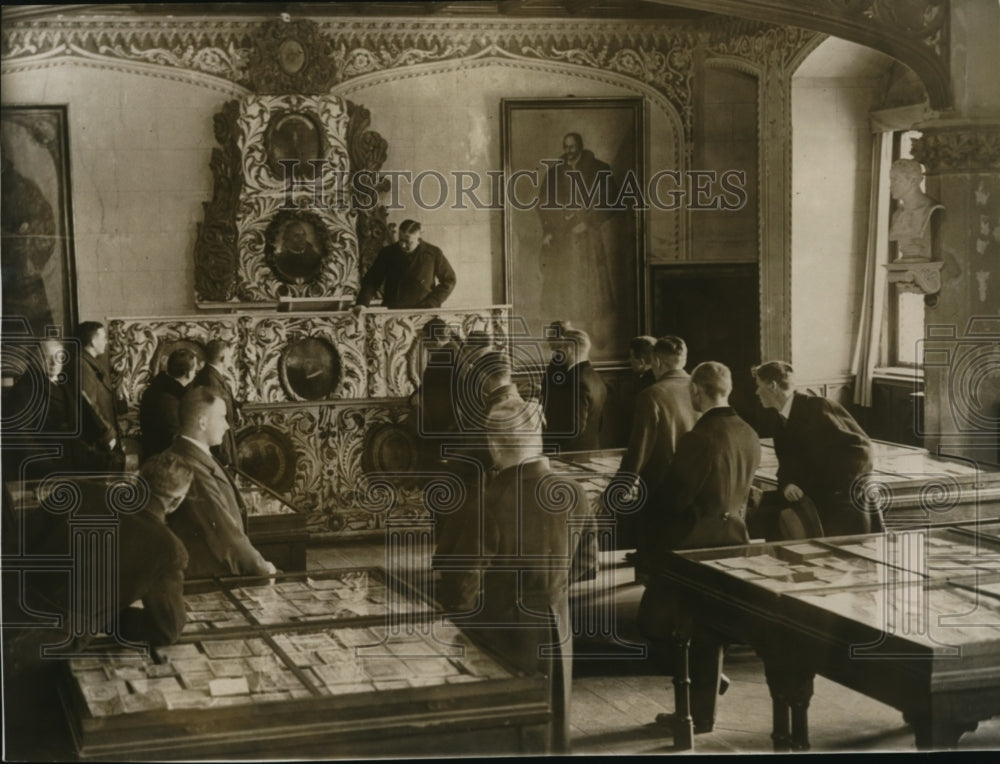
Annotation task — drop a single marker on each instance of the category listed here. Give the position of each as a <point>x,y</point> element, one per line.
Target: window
<point>906,309</point>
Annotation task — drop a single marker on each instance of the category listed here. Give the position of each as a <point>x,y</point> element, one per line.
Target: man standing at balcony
<point>411,273</point>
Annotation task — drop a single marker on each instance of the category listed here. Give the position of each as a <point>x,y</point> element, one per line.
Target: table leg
<point>781,729</point>
<point>791,691</point>
<point>683,723</point>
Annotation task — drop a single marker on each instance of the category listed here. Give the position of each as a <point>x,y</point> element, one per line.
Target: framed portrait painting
<point>572,230</point>
<point>36,252</point>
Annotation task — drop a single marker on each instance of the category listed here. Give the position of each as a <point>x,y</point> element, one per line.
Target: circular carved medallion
<point>291,57</point>
<point>267,454</point>
<point>311,369</point>
<point>389,447</point>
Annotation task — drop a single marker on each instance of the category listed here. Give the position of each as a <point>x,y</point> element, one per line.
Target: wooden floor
<point>615,700</point>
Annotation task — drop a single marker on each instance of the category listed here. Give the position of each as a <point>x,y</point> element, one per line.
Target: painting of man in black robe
<point>36,268</point>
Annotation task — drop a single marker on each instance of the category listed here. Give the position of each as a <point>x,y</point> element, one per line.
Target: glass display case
<point>337,663</point>
<point>909,617</point>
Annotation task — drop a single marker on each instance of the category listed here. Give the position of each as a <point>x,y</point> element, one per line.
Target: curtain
<point>867,344</point>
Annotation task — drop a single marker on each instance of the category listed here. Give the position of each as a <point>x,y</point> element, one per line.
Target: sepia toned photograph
<point>613,378</point>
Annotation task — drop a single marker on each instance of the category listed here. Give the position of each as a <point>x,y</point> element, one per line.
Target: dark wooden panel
<point>715,309</point>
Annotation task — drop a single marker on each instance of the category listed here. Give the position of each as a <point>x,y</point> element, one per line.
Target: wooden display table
<point>910,618</point>
<point>911,486</point>
<point>336,664</point>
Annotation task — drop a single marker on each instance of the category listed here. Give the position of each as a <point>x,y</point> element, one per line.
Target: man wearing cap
<point>411,273</point>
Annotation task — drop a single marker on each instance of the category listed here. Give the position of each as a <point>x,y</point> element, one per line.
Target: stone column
<point>961,152</point>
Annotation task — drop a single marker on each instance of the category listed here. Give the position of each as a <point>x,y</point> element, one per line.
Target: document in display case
<point>910,618</point>
<point>334,664</point>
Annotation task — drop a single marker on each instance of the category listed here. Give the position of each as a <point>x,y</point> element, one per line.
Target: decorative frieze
<point>765,45</point>
<point>311,57</point>
<point>317,453</point>
<point>968,148</point>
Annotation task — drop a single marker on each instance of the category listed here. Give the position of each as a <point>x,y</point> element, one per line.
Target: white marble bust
<point>910,225</point>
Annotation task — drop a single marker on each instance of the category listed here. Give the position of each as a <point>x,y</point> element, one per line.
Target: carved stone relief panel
<point>300,358</point>
<point>393,352</point>
<point>296,235</point>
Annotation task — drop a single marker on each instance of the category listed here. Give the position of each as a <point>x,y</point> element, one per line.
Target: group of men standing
<point>693,460</point>
<point>70,427</point>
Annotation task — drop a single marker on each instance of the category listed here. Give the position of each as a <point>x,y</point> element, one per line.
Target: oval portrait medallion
<point>310,369</point>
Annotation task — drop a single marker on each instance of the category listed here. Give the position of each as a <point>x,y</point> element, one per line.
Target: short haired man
<point>640,358</point>
<point>705,489</point>
<point>215,375</point>
<point>573,393</point>
<point>529,597</point>
<point>150,565</point>
<point>43,409</point>
<point>100,423</point>
<point>663,413</point>
<point>159,407</point>
<point>411,273</point>
<point>210,522</point>
<point>821,450</point>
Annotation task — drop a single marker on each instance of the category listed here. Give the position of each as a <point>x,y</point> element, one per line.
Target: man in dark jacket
<point>211,521</point>
<point>640,358</point>
<point>573,394</point>
<point>705,490</point>
<point>215,375</point>
<point>42,410</point>
<point>663,413</point>
<point>411,273</point>
<point>159,408</point>
<point>100,419</point>
<point>522,601</point>
<point>148,564</point>
<point>821,450</point>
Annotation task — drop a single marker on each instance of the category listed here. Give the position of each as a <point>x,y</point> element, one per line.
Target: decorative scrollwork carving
<point>267,337</point>
<point>766,45</point>
<point>292,57</point>
<point>393,349</point>
<point>368,151</point>
<point>215,254</point>
<point>969,148</point>
<point>299,428</point>
<point>265,201</point>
